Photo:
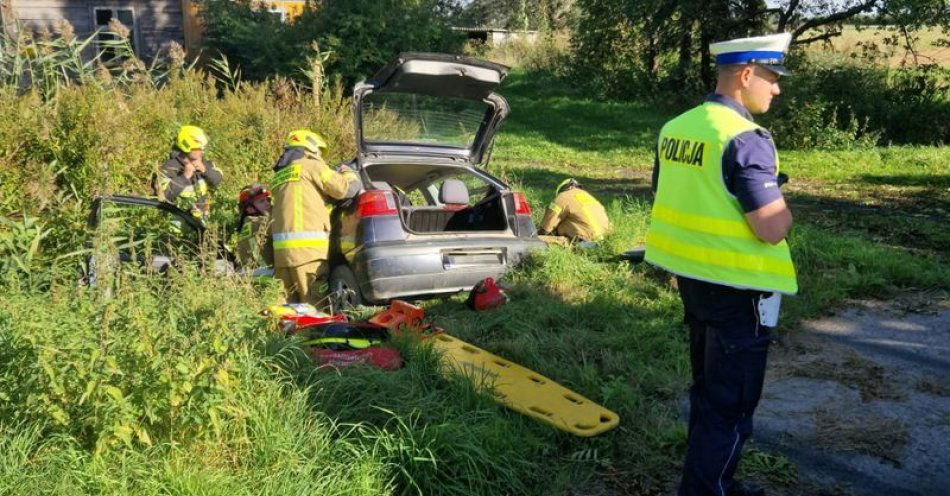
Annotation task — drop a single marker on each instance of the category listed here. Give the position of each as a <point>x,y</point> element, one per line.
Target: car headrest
<point>383,185</point>
<point>453,192</point>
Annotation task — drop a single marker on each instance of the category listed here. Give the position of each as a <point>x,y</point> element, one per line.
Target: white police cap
<point>767,51</point>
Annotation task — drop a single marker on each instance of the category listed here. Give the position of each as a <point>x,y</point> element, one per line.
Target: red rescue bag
<point>383,358</point>
<point>341,344</point>
<point>485,295</point>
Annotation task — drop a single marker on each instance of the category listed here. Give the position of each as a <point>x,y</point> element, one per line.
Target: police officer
<point>186,177</point>
<point>575,214</point>
<point>303,189</point>
<point>719,224</point>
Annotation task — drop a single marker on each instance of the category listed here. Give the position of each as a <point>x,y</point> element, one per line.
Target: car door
<point>148,233</point>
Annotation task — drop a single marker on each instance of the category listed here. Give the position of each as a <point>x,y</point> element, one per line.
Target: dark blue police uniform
<point>728,345</point>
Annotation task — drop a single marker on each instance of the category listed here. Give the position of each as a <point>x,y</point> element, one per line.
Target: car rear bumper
<point>424,268</point>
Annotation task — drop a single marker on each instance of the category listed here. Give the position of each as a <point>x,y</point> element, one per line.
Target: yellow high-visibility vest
<point>697,228</point>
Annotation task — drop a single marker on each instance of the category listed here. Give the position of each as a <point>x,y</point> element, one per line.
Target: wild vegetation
<point>851,98</point>
<point>886,87</point>
<point>354,37</point>
<point>175,384</point>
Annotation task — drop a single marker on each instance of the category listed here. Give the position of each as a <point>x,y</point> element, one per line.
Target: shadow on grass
<point>543,179</point>
<point>924,204</point>
<point>916,221</point>
<point>925,180</point>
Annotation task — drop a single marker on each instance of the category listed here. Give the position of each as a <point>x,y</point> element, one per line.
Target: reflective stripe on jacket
<point>576,214</point>
<point>303,189</point>
<point>697,228</point>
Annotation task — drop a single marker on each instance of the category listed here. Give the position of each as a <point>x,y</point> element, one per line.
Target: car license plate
<point>483,257</point>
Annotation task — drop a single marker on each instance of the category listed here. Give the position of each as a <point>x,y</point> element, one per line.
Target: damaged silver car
<point>430,219</point>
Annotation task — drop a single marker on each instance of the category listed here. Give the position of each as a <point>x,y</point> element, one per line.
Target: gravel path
<point>860,401</point>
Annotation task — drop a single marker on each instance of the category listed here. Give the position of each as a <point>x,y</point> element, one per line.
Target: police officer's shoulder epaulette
<point>763,133</point>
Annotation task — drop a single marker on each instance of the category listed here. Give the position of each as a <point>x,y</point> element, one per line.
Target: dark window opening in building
<point>102,17</point>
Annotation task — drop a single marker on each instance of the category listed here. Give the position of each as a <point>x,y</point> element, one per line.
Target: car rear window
<point>413,118</point>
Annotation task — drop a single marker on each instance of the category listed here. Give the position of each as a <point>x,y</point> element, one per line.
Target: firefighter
<point>304,188</point>
<point>186,178</point>
<point>255,248</point>
<point>575,214</point>
<point>719,224</point>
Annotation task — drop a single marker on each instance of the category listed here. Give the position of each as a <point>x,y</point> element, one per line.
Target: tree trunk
<point>649,57</point>
<point>707,26</point>
<point>685,65</point>
<point>705,61</point>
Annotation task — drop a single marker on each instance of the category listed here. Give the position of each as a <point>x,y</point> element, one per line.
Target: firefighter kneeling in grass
<point>575,214</point>
<point>303,189</point>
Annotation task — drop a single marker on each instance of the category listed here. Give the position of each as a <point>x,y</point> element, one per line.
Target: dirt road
<point>860,401</point>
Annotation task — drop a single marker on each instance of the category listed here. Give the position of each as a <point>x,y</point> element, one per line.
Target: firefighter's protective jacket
<point>193,193</point>
<point>255,248</point>
<point>576,214</point>
<point>303,189</point>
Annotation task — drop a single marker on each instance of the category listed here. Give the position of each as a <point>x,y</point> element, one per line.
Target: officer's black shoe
<point>742,488</point>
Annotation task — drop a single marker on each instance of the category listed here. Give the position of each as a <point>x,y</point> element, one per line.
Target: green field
<point>177,386</point>
<point>926,46</point>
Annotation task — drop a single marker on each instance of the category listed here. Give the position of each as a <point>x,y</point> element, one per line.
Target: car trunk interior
<point>486,216</point>
<point>434,199</point>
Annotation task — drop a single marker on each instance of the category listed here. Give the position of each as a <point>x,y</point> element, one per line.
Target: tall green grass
<point>158,387</point>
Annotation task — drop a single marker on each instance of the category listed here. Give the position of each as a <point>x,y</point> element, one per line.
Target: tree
<point>541,15</point>
<point>364,35</point>
<point>664,44</point>
<point>254,40</point>
<point>361,35</point>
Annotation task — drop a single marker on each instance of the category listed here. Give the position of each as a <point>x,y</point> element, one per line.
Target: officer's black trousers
<point>728,350</point>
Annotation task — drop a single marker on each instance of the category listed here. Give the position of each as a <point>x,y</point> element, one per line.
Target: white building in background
<point>498,36</point>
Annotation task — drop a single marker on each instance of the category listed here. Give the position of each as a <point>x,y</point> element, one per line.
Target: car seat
<point>453,194</point>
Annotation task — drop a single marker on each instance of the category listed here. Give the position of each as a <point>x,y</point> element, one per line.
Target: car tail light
<point>521,204</point>
<point>376,203</point>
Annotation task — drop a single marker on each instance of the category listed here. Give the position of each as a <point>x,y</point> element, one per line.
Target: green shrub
<point>652,51</point>
<point>57,154</point>
<point>550,52</point>
<point>130,369</point>
<point>19,246</point>
<point>806,124</point>
<point>360,35</point>
<point>253,39</point>
<point>364,35</point>
<point>272,443</point>
<point>842,102</point>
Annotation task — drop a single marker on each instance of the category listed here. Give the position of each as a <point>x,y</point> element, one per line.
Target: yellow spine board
<point>524,390</point>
